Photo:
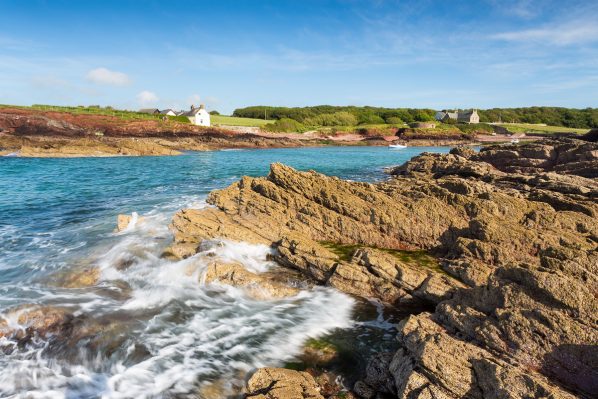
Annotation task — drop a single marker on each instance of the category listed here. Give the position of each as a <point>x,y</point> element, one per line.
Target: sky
<point>229,54</point>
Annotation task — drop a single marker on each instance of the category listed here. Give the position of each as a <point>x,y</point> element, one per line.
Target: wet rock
<point>25,321</point>
<point>80,278</point>
<point>126,221</point>
<point>260,286</point>
<point>378,378</point>
<point>317,353</point>
<point>277,383</point>
<point>363,390</point>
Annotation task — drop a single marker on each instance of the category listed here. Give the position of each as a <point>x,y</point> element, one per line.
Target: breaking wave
<point>162,331</point>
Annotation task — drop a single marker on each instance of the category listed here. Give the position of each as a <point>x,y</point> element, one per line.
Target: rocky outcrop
<point>515,233</point>
<point>433,363</point>
<point>277,383</point>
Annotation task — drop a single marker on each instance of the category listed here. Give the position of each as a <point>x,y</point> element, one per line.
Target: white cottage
<point>169,112</point>
<point>459,116</point>
<point>198,116</point>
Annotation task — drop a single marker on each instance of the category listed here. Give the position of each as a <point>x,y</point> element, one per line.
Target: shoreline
<point>41,134</point>
<point>446,246</point>
<point>59,147</point>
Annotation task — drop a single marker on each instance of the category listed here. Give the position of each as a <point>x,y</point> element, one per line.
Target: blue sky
<point>228,54</point>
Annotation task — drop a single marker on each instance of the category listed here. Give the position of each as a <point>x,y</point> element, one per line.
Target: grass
<point>81,110</point>
<point>532,128</point>
<point>224,120</point>
<point>417,257</point>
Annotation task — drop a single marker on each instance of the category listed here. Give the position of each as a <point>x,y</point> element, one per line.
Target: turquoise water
<point>59,215</point>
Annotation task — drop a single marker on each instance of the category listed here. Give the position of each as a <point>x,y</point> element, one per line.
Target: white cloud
<point>562,35</point>
<point>147,98</point>
<point>108,77</point>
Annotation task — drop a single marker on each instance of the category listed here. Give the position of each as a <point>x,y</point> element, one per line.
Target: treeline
<point>554,116</point>
<point>328,115</point>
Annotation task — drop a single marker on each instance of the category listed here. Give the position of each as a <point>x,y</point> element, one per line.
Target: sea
<point>155,330</point>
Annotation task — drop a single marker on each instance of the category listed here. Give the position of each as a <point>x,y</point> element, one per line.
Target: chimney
<point>192,107</point>
<point>202,106</point>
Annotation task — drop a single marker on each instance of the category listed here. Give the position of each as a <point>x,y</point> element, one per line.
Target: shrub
<point>475,127</point>
<point>370,119</point>
<point>284,125</point>
<point>342,118</point>
<point>214,112</point>
<point>394,120</point>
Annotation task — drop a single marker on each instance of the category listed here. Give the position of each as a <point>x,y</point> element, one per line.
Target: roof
<point>165,111</point>
<point>458,115</point>
<point>466,114</point>
<point>193,112</point>
<point>149,110</point>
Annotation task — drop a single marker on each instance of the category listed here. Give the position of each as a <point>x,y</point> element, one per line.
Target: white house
<point>168,112</point>
<point>459,116</point>
<point>198,116</point>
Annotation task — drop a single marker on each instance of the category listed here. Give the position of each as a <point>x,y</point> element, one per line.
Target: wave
<point>169,333</point>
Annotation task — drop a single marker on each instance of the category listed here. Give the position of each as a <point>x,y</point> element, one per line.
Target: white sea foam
<point>191,334</point>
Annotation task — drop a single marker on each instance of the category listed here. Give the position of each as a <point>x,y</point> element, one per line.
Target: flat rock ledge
<point>515,232</point>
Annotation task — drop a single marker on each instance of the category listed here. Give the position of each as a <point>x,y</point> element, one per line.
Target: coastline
<point>31,133</point>
<point>58,147</point>
<point>464,255</point>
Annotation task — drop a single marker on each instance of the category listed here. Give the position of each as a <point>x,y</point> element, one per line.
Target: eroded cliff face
<point>515,229</point>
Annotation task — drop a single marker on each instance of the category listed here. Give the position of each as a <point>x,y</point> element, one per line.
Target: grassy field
<point>531,128</point>
<point>132,115</point>
<point>235,121</point>
<point>123,114</point>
